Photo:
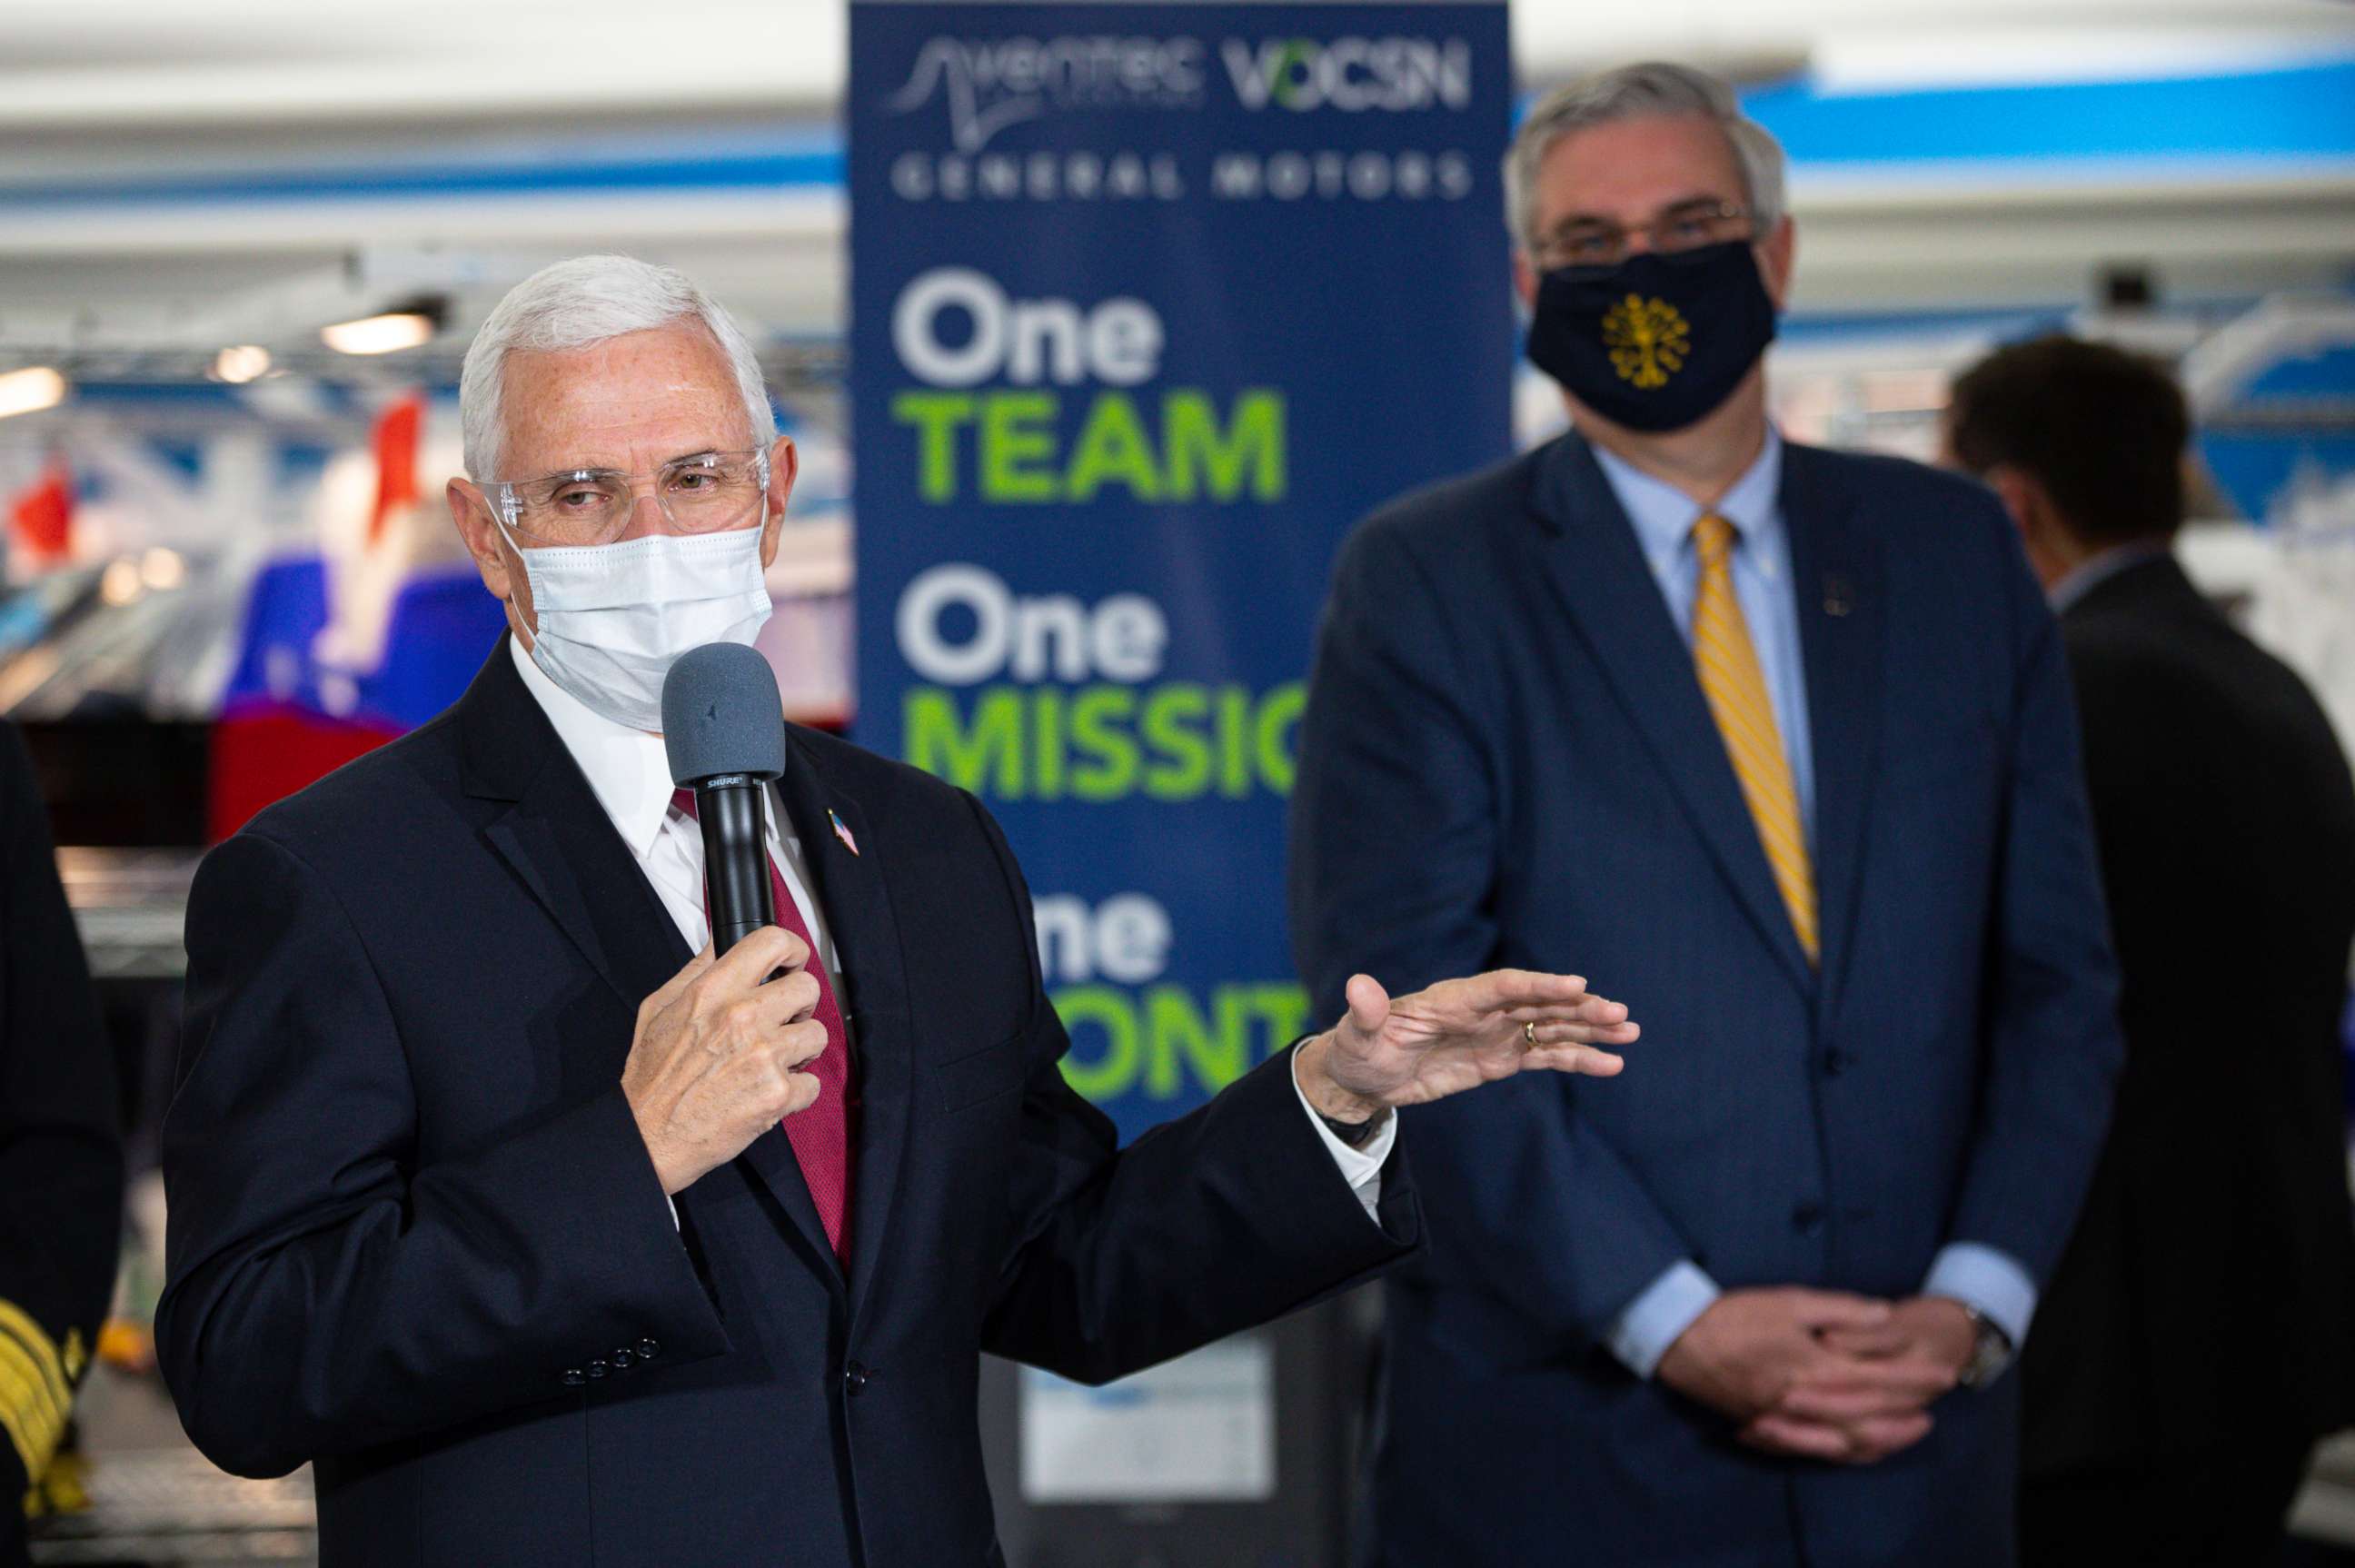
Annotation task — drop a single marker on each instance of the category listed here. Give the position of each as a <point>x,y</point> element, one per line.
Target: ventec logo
<point>1351,74</point>
<point>989,84</point>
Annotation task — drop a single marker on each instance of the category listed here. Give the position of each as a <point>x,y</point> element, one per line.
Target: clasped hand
<point>1821,1374</point>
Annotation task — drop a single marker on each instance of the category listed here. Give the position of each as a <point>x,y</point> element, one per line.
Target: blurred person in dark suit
<point>60,1153</point>
<point>547,1237</point>
<point>2200,1333</point>
<point>1781,740</point>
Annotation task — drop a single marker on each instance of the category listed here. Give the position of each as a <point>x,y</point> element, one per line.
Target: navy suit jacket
<point>1507,760</point>
<point>415,1237</point>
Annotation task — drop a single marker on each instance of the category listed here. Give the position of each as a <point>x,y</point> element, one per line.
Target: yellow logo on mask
<point>1647,339</point>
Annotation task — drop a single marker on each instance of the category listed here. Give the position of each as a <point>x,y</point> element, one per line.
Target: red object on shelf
<point>41,518</point>
<point>262,753</point>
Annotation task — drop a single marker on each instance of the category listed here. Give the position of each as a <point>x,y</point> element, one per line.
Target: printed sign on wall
<point>1148,305</point>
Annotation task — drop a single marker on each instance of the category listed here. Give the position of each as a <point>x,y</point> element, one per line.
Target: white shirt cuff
<point>1361,1167</point>
<point>1989,1281</point>
<point>1654,1320</point>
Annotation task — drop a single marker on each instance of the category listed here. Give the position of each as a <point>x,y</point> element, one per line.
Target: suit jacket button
<point>597,1369</point>
<point>1835,1063</point>
<point>854,1380</point>
<point>622,1359</point>
<point>571,1377</point>
<point>1808,1219</point>
<point>647,1348</point>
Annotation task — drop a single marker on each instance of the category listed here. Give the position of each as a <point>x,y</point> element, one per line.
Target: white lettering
<point>1053,636</point>
<point>1125,939</point>
<point>1124,341</point>
<point>1118,342</point>
<point>1351,74</point>
<point>915,324</point>
<point>942,588</point>
<point>1127,637</point>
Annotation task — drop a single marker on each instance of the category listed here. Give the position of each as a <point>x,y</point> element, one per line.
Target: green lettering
<point>1186,771</point>
<point>1047,743</point>
<point>1175,1027</point>
<point>1110,769</point>
<point>1018,432</point>
<point>1279,712</point>
<point>1285,1008</point>
<point>935,738</point>
<point>1112,449</point>
<point>936,416</point>
<point>1202,458</point>
<point>1109,1009</point>
<point>1234,741</point>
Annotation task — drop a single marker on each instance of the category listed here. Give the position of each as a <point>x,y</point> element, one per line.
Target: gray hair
<point>577,304</point>
<point>1654,87</point>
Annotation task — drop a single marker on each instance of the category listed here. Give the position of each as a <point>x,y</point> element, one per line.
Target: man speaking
<point>548,1238</point>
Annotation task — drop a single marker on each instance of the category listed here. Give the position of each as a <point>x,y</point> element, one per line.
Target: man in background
<point>1781,741</point>
<point>61,1154</point>
<point>2200,1334</point>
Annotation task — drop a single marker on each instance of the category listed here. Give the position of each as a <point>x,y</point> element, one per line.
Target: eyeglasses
<point>1688,225</point>
<point>706,494</point>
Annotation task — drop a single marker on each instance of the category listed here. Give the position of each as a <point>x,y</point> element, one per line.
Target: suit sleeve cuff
<point>1361,1167</point>
<point>1989,1281</point>
<point>1654,1320</point>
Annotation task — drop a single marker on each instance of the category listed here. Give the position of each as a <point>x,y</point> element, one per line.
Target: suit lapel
<point>557,840</point>
<point>872,988</point>
<point>1837,578</point>
<point>554,836</point>
<point>1613,601</point>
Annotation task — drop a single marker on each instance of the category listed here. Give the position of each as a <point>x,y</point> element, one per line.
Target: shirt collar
<point>627,769</point>
<point>1664,515</point>
<point>2095,570</point>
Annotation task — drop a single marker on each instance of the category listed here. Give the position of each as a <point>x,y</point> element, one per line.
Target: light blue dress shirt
<point>1663,516</point>
<point>2094,571</point>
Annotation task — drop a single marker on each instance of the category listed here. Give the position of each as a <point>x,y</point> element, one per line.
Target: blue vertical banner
<point>1148,304</point>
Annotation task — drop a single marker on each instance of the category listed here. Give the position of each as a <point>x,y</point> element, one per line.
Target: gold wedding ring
<point>1529,1032</point>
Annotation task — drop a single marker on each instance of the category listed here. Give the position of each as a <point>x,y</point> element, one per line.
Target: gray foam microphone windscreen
<point>721,715</point>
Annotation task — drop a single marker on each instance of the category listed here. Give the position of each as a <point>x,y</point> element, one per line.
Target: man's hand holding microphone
<point>713,1063</point>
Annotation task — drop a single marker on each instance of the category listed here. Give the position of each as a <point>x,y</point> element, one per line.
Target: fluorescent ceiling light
<point>386,334</point>
<point>241,363</point>
<point>162,568</point>
<point>119,584</point>
<point>22,391</point>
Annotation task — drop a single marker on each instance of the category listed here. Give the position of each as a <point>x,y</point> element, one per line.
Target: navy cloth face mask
<point>1654,343</point>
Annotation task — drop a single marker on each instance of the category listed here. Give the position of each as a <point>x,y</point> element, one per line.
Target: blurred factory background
<point>242,250</point>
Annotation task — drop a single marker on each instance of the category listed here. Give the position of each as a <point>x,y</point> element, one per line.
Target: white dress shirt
<point>629,772</point>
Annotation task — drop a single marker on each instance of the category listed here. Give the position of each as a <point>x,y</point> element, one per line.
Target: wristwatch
<point>1357,1135</point>
<point>1990,1351</point>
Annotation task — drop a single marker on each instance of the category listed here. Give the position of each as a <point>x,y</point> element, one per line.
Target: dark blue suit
<point>1507,760</point>
<point>417,1240</point>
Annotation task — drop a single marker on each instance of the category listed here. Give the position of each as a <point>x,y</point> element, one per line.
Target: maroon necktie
<point>820,1135</point>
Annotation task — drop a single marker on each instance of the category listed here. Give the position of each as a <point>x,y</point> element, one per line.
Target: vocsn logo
<point>989,84</point>
<point>1351,74</point>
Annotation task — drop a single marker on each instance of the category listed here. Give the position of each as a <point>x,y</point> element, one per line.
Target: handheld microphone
<point>724,730</point>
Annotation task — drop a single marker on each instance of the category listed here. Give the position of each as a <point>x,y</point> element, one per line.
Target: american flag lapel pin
<point>842,830</point>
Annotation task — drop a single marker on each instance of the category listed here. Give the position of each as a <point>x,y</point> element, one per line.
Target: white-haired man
<point>1781,741</point>
<point>547,1239</point>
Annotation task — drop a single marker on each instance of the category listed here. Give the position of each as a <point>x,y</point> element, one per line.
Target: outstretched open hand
<point>1456,1035</point>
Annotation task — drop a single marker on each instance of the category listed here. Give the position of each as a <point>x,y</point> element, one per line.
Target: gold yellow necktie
<point>1736,688</point>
